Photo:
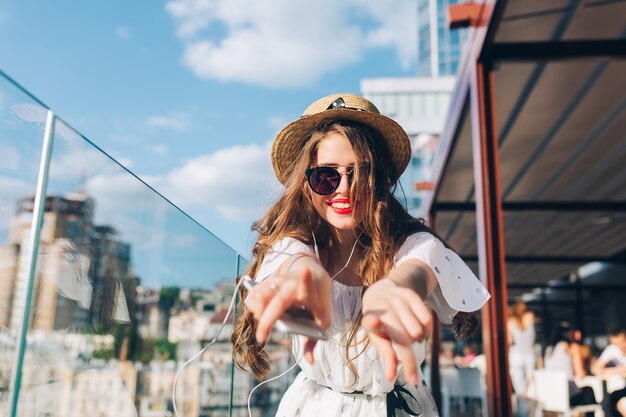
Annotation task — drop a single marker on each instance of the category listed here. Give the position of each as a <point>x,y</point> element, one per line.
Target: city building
<point>438,48</point>
<point>83,273</point>
<point>420,104</point>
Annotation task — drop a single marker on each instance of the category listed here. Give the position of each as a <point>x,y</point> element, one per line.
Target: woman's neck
<point>345,244</point>
<point>341,260</point>
<point>345,238</point>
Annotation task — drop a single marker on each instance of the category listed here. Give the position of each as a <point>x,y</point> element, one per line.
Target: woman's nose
<point>344,183</point>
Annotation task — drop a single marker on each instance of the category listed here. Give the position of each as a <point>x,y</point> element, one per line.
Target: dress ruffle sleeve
<point>458,289</point>
<point>279,253</point>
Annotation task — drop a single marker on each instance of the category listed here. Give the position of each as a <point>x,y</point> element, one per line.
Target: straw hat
<point>290,140</point>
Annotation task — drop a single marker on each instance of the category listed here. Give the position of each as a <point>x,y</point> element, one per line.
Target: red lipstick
<point>338,210</point>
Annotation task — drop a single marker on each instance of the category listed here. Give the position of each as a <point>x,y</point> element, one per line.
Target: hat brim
<point>291,139</point>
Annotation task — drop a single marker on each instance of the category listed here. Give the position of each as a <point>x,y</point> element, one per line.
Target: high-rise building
<point>420,104</point>
<point>83,273</point>
<point>439,49</point>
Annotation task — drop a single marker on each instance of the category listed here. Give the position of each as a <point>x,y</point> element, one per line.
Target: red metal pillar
<point>490,236</point>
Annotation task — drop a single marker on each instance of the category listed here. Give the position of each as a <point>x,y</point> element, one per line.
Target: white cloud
<point>175,121</point>
<point>282,43</point>
<point>30,112</point>
<point>122,32</point>
<point>81,163</point>
<point>125,203</point>
<point>237,182</point>
<point>225,190</point>
<point>397,27</point>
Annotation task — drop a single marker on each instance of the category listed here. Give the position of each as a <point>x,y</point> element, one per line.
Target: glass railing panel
<point>266,397</point>
<point>128,288</point>
<point>262,397</point>
<point>22,124</point>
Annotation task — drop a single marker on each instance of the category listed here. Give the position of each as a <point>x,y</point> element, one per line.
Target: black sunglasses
<point>325,180</point>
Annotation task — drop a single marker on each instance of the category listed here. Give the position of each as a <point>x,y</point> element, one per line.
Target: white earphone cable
<point>272,379</point>
<point>219,331</point>
<point>317,253</point>
<point>194,357</point>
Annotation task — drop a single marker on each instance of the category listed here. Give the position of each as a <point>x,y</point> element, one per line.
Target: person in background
<point>612,361</point>
<point>563,355</point>
<point>521,337</point>
<point>576,337</point>
<point>469,354</point>
<point>480,363</point>
<point>446,355</point>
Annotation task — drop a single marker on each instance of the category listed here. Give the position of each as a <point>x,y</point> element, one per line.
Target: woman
<point>339,244</point>
<point>521,332</point>
<point>564,355</point>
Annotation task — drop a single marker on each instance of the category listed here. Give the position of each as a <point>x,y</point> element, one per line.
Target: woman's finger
<point>389,323</point>
<point>283,299</point>
<point>259,297</point>
<point>315,296</point>
<point>421,311</point>
<point>393,327</point>
<point>409,362</point>
<point>412,325</point>
<point>374,327</point>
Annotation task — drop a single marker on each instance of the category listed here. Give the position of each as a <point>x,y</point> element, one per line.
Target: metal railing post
<point>232,364</point>
<point>31,252</point>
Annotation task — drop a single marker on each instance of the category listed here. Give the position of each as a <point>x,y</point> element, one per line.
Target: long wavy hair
<point>385,224</point>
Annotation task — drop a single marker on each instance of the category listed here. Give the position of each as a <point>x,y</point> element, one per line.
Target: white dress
<point>521,357</point>
<point>327,387</point>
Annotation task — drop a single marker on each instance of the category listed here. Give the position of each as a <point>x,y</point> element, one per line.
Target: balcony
<point>106,287</point>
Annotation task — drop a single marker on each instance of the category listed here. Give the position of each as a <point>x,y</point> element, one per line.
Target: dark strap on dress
<point>395,401</point>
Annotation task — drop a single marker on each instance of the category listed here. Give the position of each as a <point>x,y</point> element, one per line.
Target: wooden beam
<point>464,15</point>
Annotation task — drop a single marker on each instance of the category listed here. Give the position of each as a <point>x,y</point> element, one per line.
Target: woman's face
<point>336,151</point>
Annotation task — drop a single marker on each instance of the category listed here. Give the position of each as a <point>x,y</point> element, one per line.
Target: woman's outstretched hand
<point>273,296</point>
<point>395,317</point>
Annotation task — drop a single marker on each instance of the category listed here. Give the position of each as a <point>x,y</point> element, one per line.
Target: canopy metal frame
<point>476,87</point>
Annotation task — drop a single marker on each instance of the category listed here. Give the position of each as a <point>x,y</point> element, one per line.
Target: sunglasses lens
<point>324,180</point>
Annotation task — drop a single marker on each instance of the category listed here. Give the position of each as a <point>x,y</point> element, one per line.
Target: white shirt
<point>613,356</point>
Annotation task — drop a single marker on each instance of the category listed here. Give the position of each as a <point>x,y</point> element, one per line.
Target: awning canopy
<point>530,176</point>
<point>560,115</point>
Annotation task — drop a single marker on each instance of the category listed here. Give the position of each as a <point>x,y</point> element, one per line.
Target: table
<point>607,383</point>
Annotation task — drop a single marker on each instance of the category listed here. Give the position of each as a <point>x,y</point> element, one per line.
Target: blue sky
<point>188,94</point>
